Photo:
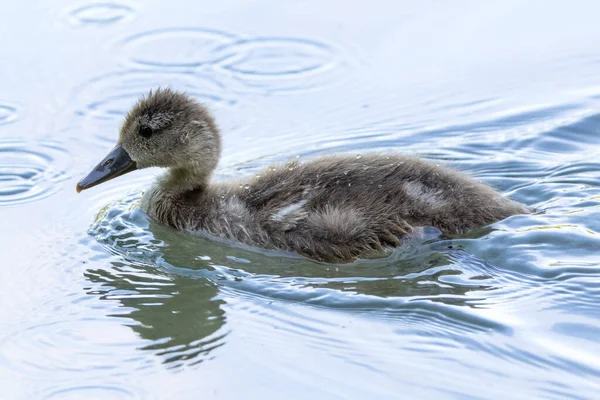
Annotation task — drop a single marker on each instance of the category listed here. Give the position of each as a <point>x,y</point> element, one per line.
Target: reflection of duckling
<point>182,317</point>
<point>334,208</point>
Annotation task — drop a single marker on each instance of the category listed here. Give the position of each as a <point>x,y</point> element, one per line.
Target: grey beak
<point>116,163</point>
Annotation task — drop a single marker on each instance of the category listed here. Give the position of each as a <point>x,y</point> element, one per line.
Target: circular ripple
<point>71,346</point>
<point>30,171</point>
<point>280,64</point>
<point>105,100</point>
<point>277,57</point>
<point>96,392</point>
<point>100,14</point>
<point>8,114</point>
<point>175,47</point>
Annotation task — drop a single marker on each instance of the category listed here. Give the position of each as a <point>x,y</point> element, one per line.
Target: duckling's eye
<point>145,131</point>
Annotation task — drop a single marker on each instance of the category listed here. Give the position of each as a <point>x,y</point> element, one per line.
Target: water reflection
<point>180,316</point>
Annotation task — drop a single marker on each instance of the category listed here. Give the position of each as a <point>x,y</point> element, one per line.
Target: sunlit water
<point>99,302</point>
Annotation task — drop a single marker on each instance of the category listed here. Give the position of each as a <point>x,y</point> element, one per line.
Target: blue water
<point>98,302</point>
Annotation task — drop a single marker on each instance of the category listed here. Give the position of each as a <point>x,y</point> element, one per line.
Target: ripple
<point>8,114</point>
<point>275,64</point>
<point>30,171</point>
<point>105,100</point>
<point>120,392</point>
<point>277,57</point>
<point>41,349</point>
<point>175,47</point>
<point>100,14</point>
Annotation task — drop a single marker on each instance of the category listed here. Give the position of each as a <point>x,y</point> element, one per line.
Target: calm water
<point>98,302</point>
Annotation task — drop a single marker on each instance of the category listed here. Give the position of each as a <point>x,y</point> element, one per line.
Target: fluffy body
<point>333,209</point>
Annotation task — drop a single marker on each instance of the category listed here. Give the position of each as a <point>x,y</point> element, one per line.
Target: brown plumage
<point>334,209</point>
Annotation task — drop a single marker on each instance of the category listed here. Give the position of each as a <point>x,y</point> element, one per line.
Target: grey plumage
<point>333,209</point>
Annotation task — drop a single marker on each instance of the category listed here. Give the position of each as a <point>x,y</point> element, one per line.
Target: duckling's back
<point>339,207</point>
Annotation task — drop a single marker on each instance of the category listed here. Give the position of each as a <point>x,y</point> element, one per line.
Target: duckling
<point>334,209</point>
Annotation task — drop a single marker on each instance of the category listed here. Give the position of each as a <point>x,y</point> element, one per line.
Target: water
<point>99,302</point>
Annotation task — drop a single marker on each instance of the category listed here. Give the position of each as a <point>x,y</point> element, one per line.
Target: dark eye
<point>145,131</point>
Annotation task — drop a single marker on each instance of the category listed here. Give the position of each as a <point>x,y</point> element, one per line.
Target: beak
<point>116,163</point>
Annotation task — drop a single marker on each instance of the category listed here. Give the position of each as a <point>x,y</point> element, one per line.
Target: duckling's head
<point>163,129</point>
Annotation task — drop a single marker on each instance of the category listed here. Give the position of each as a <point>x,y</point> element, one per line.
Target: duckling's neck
<point>179,180</point>
<point>165,198</point>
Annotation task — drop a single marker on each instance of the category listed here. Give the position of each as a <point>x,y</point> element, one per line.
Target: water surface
<point>100,302</point>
